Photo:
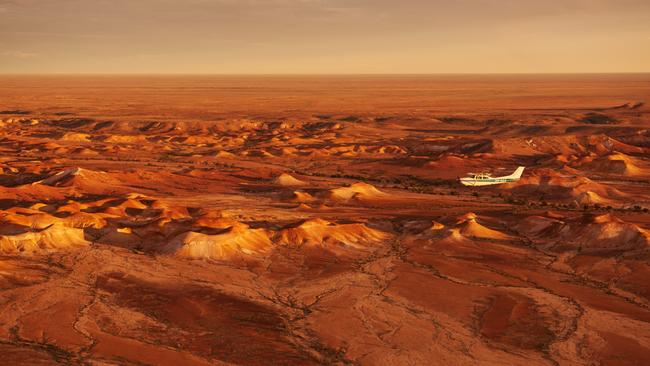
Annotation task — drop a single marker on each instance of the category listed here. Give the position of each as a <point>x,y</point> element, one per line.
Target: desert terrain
<point>204,220</point>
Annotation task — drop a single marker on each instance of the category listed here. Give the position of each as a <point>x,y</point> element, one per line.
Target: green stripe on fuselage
<point>505,180</point>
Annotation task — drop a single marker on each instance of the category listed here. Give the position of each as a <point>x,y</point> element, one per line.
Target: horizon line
<point>323,74</point>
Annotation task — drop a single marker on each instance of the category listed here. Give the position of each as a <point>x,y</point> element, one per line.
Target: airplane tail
<point>517,174</point>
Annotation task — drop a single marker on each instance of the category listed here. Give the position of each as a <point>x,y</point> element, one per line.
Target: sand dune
<point>214,220</point>
<point>610,164</point>
<point>469,227</point>
<point>589,197</point>
<point>576,145</point>
<point>53,237</point>
<point>28,218</point>
<point>587,233</point>
<point>36,220</point>
<point>603,144</point>
<point>237,240</point>
<point>61,177</point>
<point>76,137</point>
<point>466,228</point>
<point>324,233</point>
<point>554,185</point>
<point>287,180</point>
<point>303,197</point>
<point>359,191</point>
<point>225,155</point>
<point>126,139</point>
<point>81,179</point>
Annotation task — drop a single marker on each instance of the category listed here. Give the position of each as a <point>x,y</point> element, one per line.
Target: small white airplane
<point>485,179</point>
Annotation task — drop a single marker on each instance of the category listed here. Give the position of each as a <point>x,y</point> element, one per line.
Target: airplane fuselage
<point>485,179</point>
<point>486,182</point>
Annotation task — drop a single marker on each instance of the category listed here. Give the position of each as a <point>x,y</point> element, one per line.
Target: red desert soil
<point>318,220</point>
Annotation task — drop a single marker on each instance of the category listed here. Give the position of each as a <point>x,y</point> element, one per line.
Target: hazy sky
<point>324,36</point>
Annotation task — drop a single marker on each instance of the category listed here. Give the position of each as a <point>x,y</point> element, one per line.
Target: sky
<point>324,36</point>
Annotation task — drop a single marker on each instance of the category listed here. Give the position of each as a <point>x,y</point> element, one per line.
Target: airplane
<point>485,179</point>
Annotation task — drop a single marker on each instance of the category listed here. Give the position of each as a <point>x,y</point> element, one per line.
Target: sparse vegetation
<point>598,119</point>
